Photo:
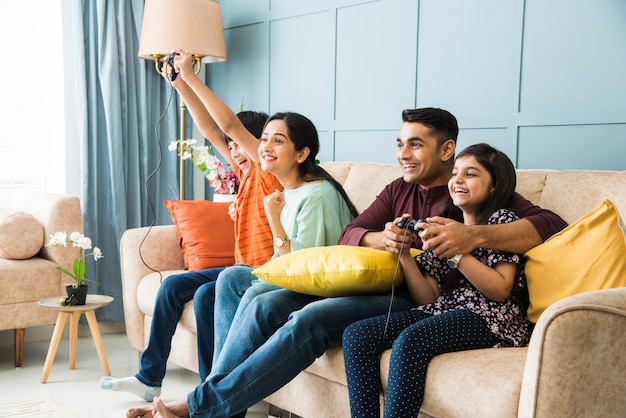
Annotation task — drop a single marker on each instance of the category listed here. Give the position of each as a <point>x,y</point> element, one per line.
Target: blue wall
<point>543,80</point>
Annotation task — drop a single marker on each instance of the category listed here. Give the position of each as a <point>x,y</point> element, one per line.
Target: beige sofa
<point>572,366</point>
<point>28,270</point>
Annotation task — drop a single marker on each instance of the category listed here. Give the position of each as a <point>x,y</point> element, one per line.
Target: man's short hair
<point>442,123</point>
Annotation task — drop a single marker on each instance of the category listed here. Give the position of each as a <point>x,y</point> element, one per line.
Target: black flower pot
<point>79,294</point>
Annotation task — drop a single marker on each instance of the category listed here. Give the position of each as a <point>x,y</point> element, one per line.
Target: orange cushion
<point>205,231</point>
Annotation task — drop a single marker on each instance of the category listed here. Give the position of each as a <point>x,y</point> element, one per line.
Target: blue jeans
<point>174,293</point>
<point>260,356</point>
<point>234,288</point>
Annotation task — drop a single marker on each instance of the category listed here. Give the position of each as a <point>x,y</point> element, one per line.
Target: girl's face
<point>471,184</point>
<point>277,152</point>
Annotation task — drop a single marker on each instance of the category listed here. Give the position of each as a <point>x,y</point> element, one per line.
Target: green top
<point>314,215</point>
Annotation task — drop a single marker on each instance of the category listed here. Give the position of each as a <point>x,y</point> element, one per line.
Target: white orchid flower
<point>60,238</point>
<point>97,254</point>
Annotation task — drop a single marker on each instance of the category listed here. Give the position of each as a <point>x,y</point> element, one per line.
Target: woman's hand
<point>274,204</point>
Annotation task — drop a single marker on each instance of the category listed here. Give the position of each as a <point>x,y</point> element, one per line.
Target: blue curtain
<point>127,115</point>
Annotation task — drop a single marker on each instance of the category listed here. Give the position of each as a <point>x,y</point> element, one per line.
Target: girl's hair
<point>303,133</point>
<point>503,177</point>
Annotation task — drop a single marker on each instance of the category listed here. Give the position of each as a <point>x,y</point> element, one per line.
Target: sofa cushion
<point>587,255</point>
<point>205,232</point>
<point>21,235</point>
<point>335,270</point>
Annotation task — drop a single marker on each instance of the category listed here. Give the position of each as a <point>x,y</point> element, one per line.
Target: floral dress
<point>507,320</point>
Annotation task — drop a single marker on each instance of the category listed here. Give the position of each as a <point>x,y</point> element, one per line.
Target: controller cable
<point>152,174</point>
<point>393,282</point>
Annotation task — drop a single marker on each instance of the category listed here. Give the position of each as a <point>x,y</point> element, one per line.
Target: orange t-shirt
<point>254,243</point>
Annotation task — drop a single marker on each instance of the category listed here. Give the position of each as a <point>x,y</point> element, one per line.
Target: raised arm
<point>201,117</point>
<point>224,117</point>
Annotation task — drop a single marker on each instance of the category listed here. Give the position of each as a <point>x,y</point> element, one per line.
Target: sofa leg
<point>18,340</point>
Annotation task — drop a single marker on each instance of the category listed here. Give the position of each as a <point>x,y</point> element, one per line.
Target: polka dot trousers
<point>415,338</point>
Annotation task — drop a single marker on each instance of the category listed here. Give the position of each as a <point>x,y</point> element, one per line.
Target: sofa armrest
<point>144,251</point>
<point>575,364</point>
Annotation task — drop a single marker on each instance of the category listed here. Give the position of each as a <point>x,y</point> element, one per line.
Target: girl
<point>472,301</point>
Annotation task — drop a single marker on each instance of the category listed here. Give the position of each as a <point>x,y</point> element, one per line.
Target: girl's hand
<point>274,204</point>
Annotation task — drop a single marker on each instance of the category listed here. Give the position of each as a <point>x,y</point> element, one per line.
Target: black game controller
<point>170,62</point>
<point>409,223</point>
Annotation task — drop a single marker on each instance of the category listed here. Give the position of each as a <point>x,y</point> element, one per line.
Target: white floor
<point>78,390</point>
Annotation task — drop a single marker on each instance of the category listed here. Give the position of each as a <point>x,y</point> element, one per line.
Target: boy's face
<point>420,157</point>
<point>239,157</point>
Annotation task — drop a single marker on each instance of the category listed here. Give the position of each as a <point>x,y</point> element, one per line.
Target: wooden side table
<point>93,302</point>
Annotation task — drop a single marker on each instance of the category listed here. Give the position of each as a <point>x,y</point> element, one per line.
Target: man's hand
<point>393,237</point>
<point>446,237</point>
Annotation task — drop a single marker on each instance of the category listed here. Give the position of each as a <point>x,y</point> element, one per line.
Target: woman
<point>473,301</point>
<point>312,211</point>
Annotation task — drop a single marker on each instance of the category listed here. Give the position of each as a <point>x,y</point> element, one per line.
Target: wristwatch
<point>279,242</point>
<point>454,261</point>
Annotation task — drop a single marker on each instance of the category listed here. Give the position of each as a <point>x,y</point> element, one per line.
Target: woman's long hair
<point>504,180</point>
<point>303,133</point>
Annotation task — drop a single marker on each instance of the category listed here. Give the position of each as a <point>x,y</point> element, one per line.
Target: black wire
<point>153,173</point>
<point>393,284</point>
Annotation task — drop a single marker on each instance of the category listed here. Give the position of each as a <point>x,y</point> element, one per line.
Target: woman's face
<point>277,152</point>
<point>471,184</point>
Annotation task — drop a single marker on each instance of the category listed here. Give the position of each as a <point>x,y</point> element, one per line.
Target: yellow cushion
<point>590,254</point>
<point>336,270</point>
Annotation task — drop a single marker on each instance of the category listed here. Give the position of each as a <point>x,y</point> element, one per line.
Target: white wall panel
<point>599,147</point>
<point>302,65</point>
<point>542,80</point>
<point>468,55</point>
<point>366,146</point>
<point>245,74</point>
<point>376,46</point>
<point>574,55</point>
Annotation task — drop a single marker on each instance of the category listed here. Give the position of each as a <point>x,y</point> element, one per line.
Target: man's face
<point>420,157</point>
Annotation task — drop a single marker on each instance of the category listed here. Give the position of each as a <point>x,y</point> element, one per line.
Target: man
<point>279,333</point>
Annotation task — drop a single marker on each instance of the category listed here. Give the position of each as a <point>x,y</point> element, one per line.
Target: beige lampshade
<point>193,25</point>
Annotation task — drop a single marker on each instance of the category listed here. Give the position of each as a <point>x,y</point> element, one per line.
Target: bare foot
<point>146,411</point>
<point>171,410</point>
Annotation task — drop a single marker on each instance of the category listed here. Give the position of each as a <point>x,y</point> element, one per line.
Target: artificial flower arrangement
<point>222,180</point>
<point>78,266</point>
